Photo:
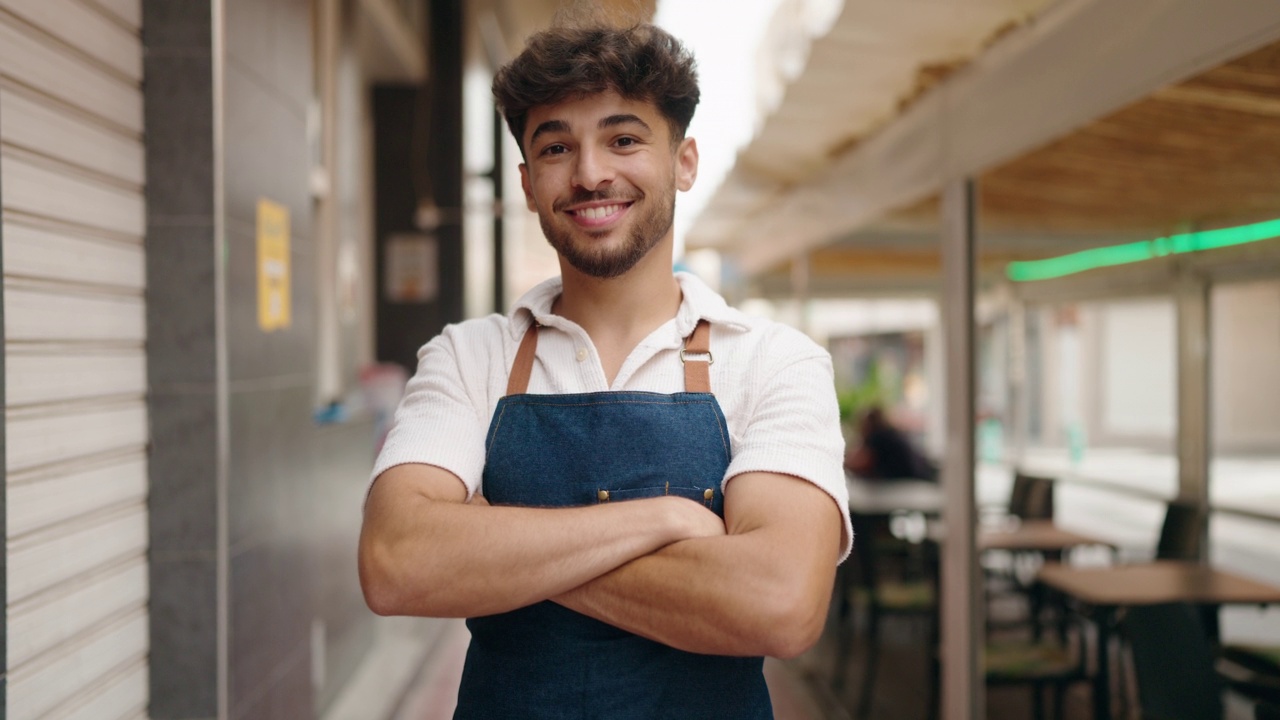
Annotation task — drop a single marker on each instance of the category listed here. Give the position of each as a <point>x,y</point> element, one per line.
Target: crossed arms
<point>665,568</point>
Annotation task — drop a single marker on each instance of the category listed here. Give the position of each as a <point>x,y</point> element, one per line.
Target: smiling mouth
<point>599,214</point>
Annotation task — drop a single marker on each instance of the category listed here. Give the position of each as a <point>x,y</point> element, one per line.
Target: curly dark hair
<point>641,62</point>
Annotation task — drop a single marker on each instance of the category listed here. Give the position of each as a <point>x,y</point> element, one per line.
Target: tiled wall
<point>292,490</point>
<point>271,375</point>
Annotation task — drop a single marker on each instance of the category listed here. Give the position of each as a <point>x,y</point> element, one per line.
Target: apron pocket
<point>704,495</point>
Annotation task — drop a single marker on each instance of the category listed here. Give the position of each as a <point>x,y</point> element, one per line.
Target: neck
<point>625,309</point>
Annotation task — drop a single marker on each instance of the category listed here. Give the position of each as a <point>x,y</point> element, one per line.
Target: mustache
<point>586,196</point>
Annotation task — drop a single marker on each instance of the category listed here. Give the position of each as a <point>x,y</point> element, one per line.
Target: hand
<point>692,519</point>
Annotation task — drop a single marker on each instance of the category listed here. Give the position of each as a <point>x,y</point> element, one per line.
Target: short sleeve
<point>794,429</point>
<point>441,421</point>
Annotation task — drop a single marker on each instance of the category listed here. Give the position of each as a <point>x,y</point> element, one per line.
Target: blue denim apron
<point>546,661</point>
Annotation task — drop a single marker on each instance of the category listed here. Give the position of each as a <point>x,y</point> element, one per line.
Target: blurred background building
<point>227,226</point>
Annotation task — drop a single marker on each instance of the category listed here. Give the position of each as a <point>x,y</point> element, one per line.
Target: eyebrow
<point>554,126</point>
<point>623,119</point>
<point>549,126</point>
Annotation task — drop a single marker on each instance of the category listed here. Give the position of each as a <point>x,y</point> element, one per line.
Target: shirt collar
<point>699,302</point>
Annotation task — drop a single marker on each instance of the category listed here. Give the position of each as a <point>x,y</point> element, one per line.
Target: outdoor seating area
<point>1069,634</point>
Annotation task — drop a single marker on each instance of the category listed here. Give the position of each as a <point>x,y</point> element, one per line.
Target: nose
<point>593,169</point>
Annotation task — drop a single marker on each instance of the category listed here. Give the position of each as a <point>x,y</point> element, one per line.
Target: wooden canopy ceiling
<point>1200,154</point>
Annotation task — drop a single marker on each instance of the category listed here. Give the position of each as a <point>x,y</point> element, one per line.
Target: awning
<point>1088,121</point>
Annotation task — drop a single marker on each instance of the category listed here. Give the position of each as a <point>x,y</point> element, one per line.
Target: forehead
<point>583,114</point>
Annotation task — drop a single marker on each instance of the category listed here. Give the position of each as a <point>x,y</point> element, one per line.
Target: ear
<point>527,186</point>
<point>686,164</point>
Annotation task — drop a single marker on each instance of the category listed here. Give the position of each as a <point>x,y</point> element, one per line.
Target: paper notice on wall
<point>273,266</point>
<point>411,268</point>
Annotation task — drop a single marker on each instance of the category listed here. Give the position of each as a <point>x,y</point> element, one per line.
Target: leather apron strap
<point>522,368</point>
<point>697,370</point>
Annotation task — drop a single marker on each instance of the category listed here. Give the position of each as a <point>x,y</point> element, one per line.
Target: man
<point>628,526</point>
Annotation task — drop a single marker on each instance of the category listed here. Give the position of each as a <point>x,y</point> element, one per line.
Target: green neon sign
<point>1031,270</point>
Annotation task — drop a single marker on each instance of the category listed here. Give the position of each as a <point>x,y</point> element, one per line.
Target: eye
<point>554,149</point>
<point>625,141</point>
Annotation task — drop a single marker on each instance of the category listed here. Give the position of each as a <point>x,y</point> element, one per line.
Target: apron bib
<point>546,661</point>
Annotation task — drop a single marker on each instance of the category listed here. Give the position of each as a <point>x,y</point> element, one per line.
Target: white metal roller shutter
<point>71,187</point>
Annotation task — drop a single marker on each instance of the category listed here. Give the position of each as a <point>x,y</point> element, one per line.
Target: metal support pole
<point>800,290</point>
<point>1017,378</point>
<point>497,175</point>
<point>962,610</point>
<point>1192,301</point>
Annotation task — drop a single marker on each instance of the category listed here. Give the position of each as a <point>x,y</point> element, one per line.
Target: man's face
<point>601,173</point>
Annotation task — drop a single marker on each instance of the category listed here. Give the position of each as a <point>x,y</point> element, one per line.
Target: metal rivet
<point>708,494</point>
<point>603,495</point>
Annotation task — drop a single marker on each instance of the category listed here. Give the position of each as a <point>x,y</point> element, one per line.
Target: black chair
<point>1182,534</point>
<point>1038,664</point>
<point>1031,497</point>
<point>1266,711</point>
<point>1173,661</point>
<point>1252,671</point>
<point>889,583</point>
<point>1009,574</point>
<point>1041,664</point>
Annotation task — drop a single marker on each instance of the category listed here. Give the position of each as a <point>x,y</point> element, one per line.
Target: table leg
<point>1102,683</point>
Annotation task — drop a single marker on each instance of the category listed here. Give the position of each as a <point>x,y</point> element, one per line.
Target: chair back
<point>1181,534</point>
<point>1031,497</point>
<point>867,530</point>
<point>1173,662</point>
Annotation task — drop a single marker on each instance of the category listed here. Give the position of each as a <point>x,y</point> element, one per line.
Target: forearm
<point>435,557</point>
<point>730,595</point>
<point>763,589</point>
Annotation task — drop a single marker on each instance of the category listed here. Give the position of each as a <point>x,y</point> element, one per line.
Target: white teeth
<point>597,213</point>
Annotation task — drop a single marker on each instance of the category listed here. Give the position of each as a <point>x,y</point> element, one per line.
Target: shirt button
<point>582,354</point>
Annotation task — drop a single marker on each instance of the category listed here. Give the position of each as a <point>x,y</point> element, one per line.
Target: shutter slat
<point>33,694</point>
<point>39,627</point>
<point>36,315</point>
<point>80,27</point>
<point>124,697</point>
<point>34,379</point>
<point>48,192</point>
<point>129,11</point>
<point>71,79</point>
<point>43,128</point>
<point>42,439</point>
<point>37,566</point>
<point>64,257</point>
<point>45,502</point>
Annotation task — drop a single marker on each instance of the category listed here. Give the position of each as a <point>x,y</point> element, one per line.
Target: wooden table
<point>1041,536</point>
<point>884,497</point>
<point>1109,588</point>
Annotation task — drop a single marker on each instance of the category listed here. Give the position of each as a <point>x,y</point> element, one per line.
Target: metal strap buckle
<point>710,359</point>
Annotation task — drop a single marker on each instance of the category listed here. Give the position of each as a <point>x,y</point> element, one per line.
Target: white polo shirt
<point>773,383</point>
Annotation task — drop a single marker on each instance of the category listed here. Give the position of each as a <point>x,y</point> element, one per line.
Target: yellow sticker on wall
<point>273,266</point>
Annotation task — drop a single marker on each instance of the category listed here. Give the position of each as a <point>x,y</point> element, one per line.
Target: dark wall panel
<point>181,366</point>
<point>416,135</point>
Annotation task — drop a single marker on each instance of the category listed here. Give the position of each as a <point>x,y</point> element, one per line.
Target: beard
<point>598,259</point>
